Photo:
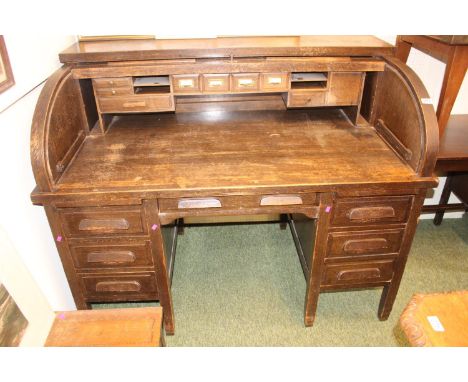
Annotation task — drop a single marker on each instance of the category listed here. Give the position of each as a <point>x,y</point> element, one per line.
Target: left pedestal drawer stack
<point>110,252</point>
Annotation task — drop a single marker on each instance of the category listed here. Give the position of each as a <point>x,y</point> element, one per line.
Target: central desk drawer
<point>119,286</point>
<point>111,253</point>
<point>371,210</point>
<point>136,103</point>
<point>99,221</point>
<point>215,83</point>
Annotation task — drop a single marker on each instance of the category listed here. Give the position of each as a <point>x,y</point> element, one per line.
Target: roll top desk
<point>131,137</point>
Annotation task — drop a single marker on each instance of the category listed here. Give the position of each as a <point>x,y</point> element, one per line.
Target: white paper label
<point>426,101</point>
<point>435,323</point>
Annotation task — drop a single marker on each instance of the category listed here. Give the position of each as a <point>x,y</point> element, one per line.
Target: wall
<point>35,58</point>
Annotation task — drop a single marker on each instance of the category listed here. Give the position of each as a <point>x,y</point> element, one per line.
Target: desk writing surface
<point>242,149</point>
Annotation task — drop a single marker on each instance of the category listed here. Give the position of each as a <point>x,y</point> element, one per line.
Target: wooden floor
<point>215,150</point>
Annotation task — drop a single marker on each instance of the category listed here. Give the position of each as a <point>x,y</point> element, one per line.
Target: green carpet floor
<point>242,285</point>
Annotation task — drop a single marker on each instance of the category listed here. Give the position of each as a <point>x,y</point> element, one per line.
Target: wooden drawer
<point>116,82</point>
<point>111,253</point>
<point>136,103</point>
<point>373,210</point>
<point>274,82</point>
<point>303,98</point>
<point>216,83</point>
<point>119,286</point>
<point>245,82</point>
<point>355,273</point>
<point>112,92</point>
<point>343,245</point>
<point>186,83</point>
<point>345,88</point>
<point>100,221</point>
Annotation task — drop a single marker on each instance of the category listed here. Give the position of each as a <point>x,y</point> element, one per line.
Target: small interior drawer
<point>119,287</point>
<point>372,210</point>
<point>111,92</point>
<point>99,83</point>
<point>343,245</point>
<point>136,103</point>
<point>274,82</point>
<point>245,82</point>
<point>111,253</point>
<point>216,83</point>
<point>186,83</point>
<point>345,88</point>
<point>355,273</point>
<point>98,221</point>
<point>307,98</point>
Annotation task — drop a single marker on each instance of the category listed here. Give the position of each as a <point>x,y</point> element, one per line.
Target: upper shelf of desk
<point>233,150</point>
<point>249,46</point>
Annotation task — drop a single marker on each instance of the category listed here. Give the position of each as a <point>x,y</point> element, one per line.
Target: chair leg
<point>283,221</point>
<point>444,198</point>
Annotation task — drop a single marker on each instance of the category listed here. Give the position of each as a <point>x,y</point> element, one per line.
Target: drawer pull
<point>274,80</point>
<point>103,224</point>
<point>111,257</point>
<point>118,286</point>
<point>371,213</point>
<point>280,200</point>
<point>359,274</point>
<point>135,104</point>
<point>245,82</point>
<point>364,245</point>
<point>215,83</point>
<point>186,84</point>
<point>199,203</point>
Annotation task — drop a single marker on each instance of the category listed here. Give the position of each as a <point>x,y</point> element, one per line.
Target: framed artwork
<point>6,75</point>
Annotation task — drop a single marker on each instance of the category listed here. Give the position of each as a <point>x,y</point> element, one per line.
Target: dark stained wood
<point>124,50</point>
<point>204,129</point>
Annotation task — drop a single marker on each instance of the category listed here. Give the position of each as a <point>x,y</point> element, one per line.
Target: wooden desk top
<point>451,309</point>
<point>248,46</point>
<point>233,150</point>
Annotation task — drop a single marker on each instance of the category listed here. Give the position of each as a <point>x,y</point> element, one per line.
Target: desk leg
<point>390,291</point>
<point>318,255</point>
<point>157,245</point>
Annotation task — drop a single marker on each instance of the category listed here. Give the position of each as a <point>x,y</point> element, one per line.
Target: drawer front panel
<point>345,88</point>
<point>105,254</point>
<point>216,83</point>
<point>359,211</point>
<point>99,221</point>
<point>362,243</point>
<point>274,82</point>
<point>306,98</point>
<point>112,92</point>
<point>245,82</point>
<point>186,83</point>
<point>136,103</point>
<point>99,83</point>
<point>119,287</point>
<point>356,273</point>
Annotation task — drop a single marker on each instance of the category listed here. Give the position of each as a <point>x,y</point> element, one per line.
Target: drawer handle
<point>280,200</point>
<point>103,224</point>
<point>364,245</point>
<point>135,104</point>
<point>215,83</point>
<point>359,274</point>
<point>199,203</point>
<point>274,80</point>
<point>186,84</point>
<point>118,286</point>
<point>111,257</point>
<point>245,82</point>
<point>371,213</point>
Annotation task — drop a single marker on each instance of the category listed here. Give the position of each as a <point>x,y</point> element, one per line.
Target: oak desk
<point>131,137</point>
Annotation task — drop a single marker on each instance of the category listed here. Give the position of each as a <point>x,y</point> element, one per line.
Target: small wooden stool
<point>108,327</point>
<point>439,319</point>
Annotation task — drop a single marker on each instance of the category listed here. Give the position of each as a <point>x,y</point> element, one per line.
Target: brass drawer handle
<point>111,257</point>
<point>364,245</point>
<point>186,84</point>
<point>245,82</point>
<point>274,80</point>
<point>215,83</point>
<point>118,286</point>
<point>358,274</point>
<point>280,200</point>
<point>371,213</point>
<point>135,104</point>
<point>103,224</point>
<point>199,203</point>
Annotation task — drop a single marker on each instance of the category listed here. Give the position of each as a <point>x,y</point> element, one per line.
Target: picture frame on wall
<point>6,74</point>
